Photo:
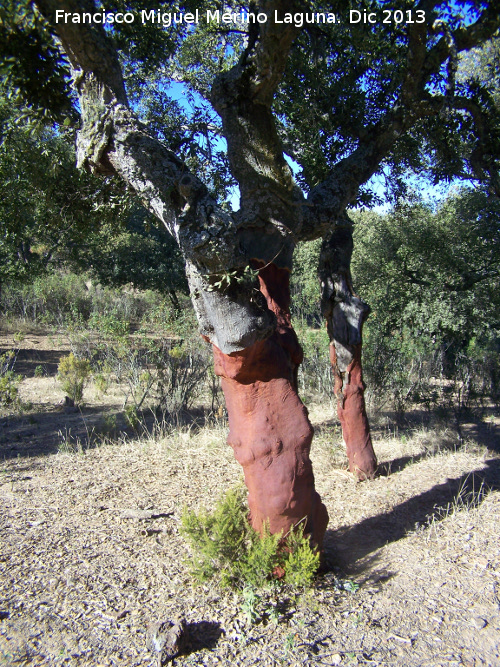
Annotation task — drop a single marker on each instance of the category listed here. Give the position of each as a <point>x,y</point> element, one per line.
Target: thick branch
<point>467,282</point>
<point>86,45</point>
<point>481,159</point>
<point>470,280</point>
<point>417,51</point>
<point>329,199</point>
<point>265,60</point>
<point>464,39</point>
<point>112,140</point>
<point>243,98</point>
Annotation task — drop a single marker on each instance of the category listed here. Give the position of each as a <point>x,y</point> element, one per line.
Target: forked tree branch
<point>340,188</point>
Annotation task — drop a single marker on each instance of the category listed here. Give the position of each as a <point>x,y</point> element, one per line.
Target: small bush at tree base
<point>302,562</point>
<point>217,538</point>
<point>226,547</point>
<point>73,374</point>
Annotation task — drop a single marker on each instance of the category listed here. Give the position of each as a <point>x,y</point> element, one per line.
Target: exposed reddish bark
<point>345,314</point>
<point>349,390</point>
<point>270,432</point>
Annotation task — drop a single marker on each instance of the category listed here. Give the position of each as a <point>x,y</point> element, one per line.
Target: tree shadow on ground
<point>486,434</point>
<point>387,468</point>
<point>203,634</point>
<point>45,431</point>
<point>349,546</point>
<point>44,428</point>
<point>28,360</point>
<point>478,424</point>
<point>48,430</point>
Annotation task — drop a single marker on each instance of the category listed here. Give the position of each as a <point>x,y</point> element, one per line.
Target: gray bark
<point>345,314</point>
<point>343,310</point>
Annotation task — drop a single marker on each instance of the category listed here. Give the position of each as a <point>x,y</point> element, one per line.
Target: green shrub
<point>217,537</point>
<point>9,388</point>
<point>109,325</point>
<point>67,299</point>
<point>132,416</point>
<point>73,374</point>
<point>301,562</point>
<point>226,547</point>
<point>260,561</point>
<point>9,380</point>
<point>55,299</point>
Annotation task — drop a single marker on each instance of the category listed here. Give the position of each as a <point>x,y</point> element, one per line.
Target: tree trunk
<point>349,391</point>
<point>345,314</point>
<point>270,432</point>
<point>172,295</point>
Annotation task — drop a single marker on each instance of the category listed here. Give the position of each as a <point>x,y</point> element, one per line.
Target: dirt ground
<point>91,555</point>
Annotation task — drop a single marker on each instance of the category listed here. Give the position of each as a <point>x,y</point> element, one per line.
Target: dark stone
<point>167,639</point>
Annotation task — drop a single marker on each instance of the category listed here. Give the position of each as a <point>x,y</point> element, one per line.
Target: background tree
<point>138,253</point>
<point>430,274</point>
<point>54,215</point>
<point>431,277</point>
<point>45,203</point>
<point>346,100</point>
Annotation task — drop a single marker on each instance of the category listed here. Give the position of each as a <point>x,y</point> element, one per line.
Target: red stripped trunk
<point>269,429</point>
<point>345,314</point>
<point>349,391</point>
